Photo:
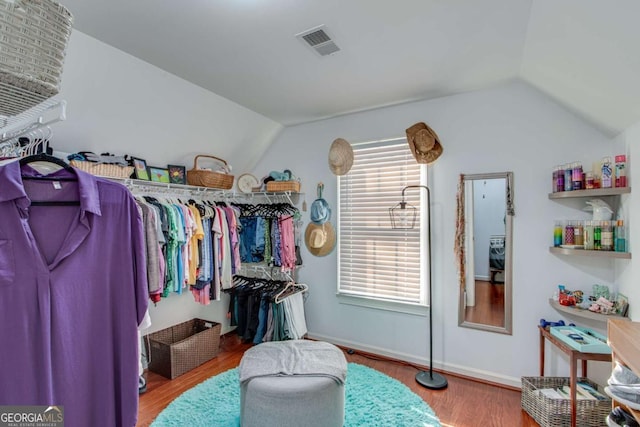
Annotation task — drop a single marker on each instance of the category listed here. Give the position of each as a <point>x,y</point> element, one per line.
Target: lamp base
<point>432,380</point>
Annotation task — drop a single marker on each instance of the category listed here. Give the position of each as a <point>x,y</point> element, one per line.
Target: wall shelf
<point>140,186</point>
<point>582,252</point>
<point>585,314</point>
<point>597,192</point>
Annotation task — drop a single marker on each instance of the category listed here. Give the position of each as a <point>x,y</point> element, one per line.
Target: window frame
<point>421,306</point>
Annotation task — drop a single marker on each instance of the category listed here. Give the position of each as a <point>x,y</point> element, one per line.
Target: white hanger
<point>299,287</point>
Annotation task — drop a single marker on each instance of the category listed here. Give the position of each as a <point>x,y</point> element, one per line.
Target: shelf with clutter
<point>600,306</point>
<point>200,181</point>
<point>582,252</point>
<point>601,236</point>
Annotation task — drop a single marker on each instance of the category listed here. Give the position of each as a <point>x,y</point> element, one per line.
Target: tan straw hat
<point>424,143</point>
<point>320,239</point>
<point>340,157</point>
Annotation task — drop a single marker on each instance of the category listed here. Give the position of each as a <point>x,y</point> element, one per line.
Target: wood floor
<point>464,403</point>
<point>489,308</point>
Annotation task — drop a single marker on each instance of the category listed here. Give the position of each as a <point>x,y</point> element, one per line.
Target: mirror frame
<point>508,272</point>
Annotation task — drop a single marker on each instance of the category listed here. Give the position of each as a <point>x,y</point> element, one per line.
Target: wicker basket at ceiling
<point>206,178</point>
<point>33,40</point>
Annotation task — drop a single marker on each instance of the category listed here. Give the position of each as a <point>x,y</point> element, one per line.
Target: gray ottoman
<point>292,383</point>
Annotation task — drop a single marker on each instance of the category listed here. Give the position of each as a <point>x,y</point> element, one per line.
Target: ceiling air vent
<point>318,39</point>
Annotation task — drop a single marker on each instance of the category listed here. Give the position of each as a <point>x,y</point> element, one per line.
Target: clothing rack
<point>138,186</point>
<point>265,271</point>
<point>30,124</point>
<point>267,310</point>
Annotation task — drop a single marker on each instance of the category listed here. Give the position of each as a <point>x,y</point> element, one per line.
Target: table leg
<point>573,385</point>
<point>541,354</point>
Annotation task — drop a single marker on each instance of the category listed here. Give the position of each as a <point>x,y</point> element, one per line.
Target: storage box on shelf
<point>282,186</point>
<point>102,169</point>
<point>183,347</point>
<point>33,41</point>
<point>206,178</point>
<point>550,412</point>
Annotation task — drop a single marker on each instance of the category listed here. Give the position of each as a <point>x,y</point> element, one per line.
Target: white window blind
<point>376,261</point>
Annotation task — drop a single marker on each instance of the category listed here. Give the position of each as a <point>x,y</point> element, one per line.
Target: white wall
<point>119,103</point>
<point>122,105</point>
<point>512,127</point>
<point>628,271</point>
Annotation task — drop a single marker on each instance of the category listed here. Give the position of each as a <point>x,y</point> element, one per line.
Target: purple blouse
<point>73,290</point>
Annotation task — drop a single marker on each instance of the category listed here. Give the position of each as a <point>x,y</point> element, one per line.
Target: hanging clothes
<point>73,290</point>
<point>267,310</point>
<point>262,229</point>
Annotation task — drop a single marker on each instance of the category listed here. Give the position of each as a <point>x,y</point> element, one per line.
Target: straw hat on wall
<point>320,239</point>
<point>424,143</point>
<point>340,157</point>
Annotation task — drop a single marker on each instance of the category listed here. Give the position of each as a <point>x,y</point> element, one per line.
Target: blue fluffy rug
<point>372,399</point>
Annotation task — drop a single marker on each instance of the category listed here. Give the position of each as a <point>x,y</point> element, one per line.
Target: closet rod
<point>38,117</point>
<point>138,185</point>
<point>264,271</point>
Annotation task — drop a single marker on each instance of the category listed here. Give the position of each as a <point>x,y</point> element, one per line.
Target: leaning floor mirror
<point>483,249</point>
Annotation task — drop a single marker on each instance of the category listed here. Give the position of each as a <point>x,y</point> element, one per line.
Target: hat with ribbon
<point>424,143</point>
<point>320,211</point>
<point>320,239</point>
<point>340,157</point>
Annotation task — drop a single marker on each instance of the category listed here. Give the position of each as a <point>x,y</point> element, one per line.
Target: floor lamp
<point>403,217</point>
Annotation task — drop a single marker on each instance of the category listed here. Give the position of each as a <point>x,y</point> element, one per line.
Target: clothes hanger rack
<point>290,289</point>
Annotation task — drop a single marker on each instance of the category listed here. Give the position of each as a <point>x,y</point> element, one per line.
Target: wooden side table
<point>574,356</point>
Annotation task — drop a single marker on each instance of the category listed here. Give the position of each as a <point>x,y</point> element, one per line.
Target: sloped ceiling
<point>582,53</point>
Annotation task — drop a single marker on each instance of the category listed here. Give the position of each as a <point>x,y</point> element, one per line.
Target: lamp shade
<point>403,216</point>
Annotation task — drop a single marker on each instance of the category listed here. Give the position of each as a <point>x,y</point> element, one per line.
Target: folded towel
<point>294,357</point>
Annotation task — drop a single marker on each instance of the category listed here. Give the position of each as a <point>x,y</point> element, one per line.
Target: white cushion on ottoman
<point>292,383</point>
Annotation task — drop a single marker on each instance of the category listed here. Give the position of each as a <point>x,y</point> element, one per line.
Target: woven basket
<point>102,169</point>
<point>205,178</point>
<point>557,412</point>
<point>33,40</point>
<point>281,186</point>
<point>183,347</point>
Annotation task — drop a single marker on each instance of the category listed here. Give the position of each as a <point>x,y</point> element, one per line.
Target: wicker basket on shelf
<point>33,40</point>
<point>282,186</point>
<point>103,169</point>
<point>207,178</point>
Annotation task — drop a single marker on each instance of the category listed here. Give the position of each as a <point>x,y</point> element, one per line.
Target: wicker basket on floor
<point>557,412</point>
<point>206,178</point>
<point>33,40</point>
<point>183,347</point>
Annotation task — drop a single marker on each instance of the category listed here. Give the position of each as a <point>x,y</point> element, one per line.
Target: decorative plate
<point>247,182</point>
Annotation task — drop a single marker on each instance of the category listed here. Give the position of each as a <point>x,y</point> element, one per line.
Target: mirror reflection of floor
<point>489,308</point>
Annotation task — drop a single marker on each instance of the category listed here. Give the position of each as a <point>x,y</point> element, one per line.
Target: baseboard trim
<point>486,377</point>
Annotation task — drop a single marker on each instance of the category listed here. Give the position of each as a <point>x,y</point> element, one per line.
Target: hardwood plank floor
<point>464,403</point>
<point>489,308</point>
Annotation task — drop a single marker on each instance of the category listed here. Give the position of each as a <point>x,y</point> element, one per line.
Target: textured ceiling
<point>583,53</point>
